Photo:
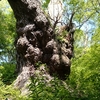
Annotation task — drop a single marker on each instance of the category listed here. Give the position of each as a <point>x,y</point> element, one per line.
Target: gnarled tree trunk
<point>36,41</point>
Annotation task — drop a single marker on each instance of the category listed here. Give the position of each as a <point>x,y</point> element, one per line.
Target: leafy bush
<point>55,90</point>
<point>8,73</point>
<point>7,76</point>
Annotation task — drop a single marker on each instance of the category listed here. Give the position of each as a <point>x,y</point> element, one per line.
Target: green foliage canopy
<point>84,81</point>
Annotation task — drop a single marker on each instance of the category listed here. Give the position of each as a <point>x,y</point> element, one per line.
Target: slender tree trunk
<point>36,42</point>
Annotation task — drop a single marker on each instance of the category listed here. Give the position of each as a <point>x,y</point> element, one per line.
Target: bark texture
<point>36,42</point>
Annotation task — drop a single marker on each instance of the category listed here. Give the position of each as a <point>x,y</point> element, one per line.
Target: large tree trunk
<point>36,41</point>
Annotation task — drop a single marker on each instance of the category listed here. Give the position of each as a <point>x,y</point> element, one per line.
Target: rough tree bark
<point>36,41</point>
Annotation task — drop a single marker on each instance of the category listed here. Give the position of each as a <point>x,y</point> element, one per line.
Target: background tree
<point>7,35</point>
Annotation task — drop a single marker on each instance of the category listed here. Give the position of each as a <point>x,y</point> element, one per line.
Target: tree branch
<point>85,20</point>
